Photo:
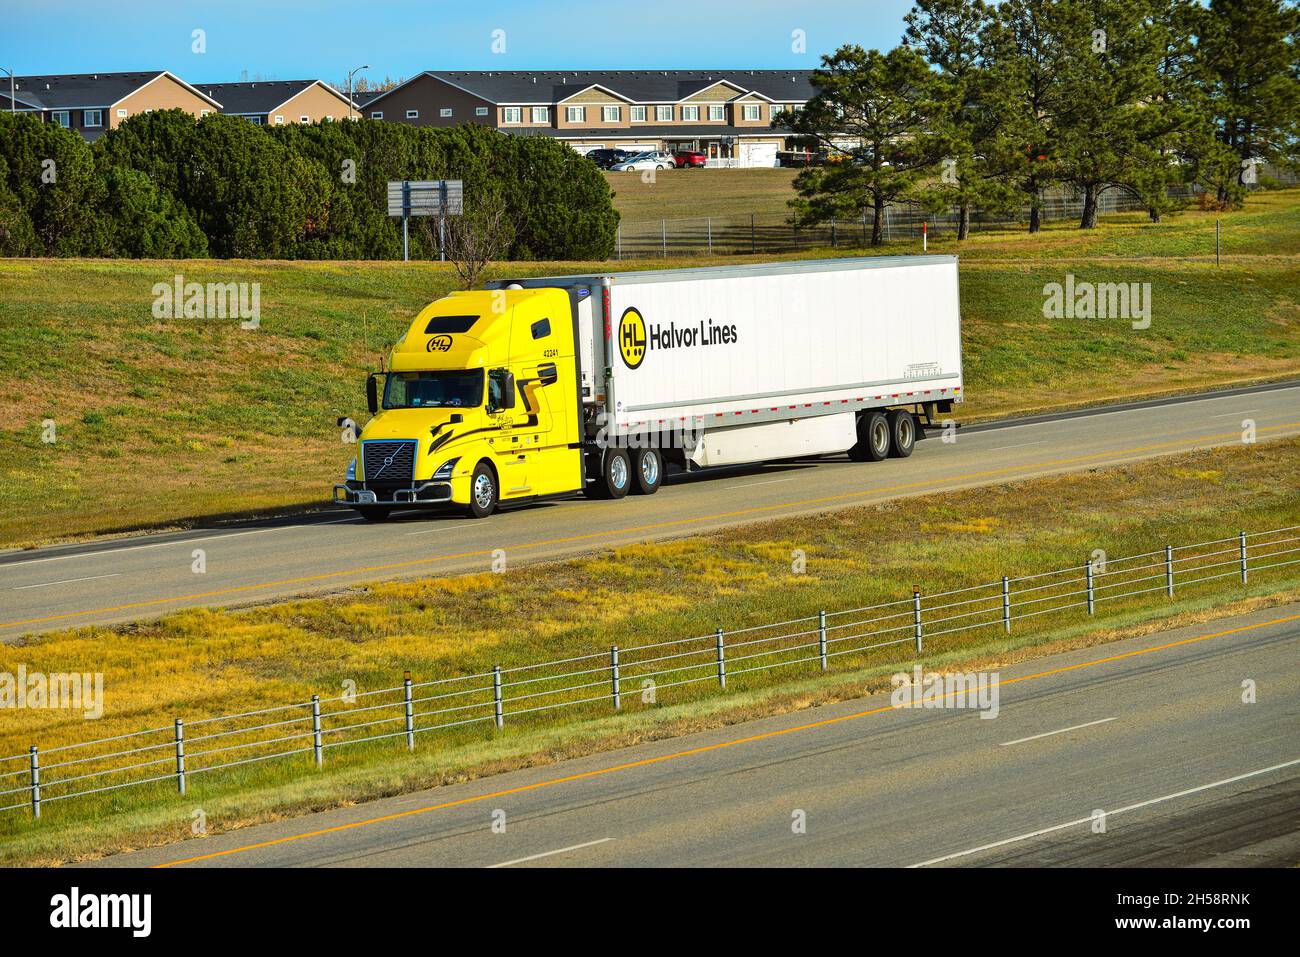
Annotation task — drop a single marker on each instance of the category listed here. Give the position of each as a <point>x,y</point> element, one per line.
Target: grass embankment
<point>171,421</point>
<point>200,663</point>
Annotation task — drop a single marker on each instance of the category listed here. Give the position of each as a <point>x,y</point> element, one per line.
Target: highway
<point>135,578</point>
<point>1152,731</point>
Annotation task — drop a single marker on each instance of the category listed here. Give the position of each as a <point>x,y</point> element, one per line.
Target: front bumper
<point>423,493</point>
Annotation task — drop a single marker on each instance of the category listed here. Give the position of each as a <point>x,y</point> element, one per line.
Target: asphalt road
<point>1153,732</point>
<point>131,579</point>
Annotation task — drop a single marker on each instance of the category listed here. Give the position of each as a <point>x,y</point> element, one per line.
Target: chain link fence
<point>773,233</point>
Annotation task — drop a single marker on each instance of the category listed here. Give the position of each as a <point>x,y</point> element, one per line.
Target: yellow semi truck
<point>544,387</point>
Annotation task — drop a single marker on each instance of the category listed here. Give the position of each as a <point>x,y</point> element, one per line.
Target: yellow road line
<point>391,566</point>
<point>704,749</point>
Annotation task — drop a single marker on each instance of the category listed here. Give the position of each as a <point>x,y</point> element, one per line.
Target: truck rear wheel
<point>615,474</point>
<point>873,438</point>
<point>483,494</point>
<point>647,471</point>
<point>902,433</point>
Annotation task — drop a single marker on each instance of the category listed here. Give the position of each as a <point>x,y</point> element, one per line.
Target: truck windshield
<point>439,390</point>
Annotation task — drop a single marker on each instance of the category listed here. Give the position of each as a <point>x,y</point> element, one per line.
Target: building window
<point>611,114</point>
<point>61,118</point>
<point>445,112</point>
<point>121,114</point>
<point>752,112</point>
<point>376,114</point>
<point>94,117</point>
<point>664,114</point>
<point>255,120</point>
<point>304,119</point>
<point>329,118</point>
<point>279,120</point>
<point>541,114</point>
<point>638,114</point>
<point>412,114</point>
<point>690,114</point>
<point>480,111</point>
<point>512,114</point>
<point>575,114</point>
<point>717,112</point>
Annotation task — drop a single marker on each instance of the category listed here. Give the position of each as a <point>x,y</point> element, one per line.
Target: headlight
<point>444,470</point>
<point>352,469</point>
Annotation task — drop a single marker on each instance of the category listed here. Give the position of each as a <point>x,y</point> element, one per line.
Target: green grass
<point>171,421</point>
<point>199,663</point>
<point>686,193</point>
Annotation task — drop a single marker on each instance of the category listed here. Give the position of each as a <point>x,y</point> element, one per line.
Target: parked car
<point>687,159</point>
<point>606,158</point>
<point>652,160</point>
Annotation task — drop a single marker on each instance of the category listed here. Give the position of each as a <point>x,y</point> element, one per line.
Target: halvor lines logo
<point>439,343</point>
<point>631,338</point>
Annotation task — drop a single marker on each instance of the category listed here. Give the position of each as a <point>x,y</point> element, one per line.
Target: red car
<point>688,158</point>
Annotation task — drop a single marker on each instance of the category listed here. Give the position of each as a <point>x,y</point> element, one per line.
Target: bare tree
<point>474,239</point>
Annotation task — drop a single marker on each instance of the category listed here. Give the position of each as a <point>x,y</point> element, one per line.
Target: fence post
<point>620,241</point>
<point>180,756</point>
<point>832,232</point>
<point>317,747</point>
<point>410,711</point>
<point>36,782</point>
<point>722,662</point>
<point>1169,571</point>
<point>1006,604</point>
<point>663,226</point>
<point>821,637</point>
<point>1241,538</point>
<point>753,236</point>
<point>496,696</point>
<point>613,677</point>
<point>1087,570</point>
<point>916,617</point>
<point>710,235</point>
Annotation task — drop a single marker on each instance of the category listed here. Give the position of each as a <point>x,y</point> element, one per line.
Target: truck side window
<point>541,328</point>
<point>494,392</point>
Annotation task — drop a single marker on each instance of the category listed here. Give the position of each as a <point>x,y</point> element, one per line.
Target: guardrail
<point>183,749</point>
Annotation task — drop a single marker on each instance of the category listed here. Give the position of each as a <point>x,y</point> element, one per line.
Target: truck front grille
<point>389,463</point>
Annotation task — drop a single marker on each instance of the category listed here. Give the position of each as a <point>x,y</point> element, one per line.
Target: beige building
<point>725,114</point>
<point>91,103</point>
<point>282,102</point>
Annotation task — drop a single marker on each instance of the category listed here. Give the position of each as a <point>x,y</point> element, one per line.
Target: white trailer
<point>733,364</point>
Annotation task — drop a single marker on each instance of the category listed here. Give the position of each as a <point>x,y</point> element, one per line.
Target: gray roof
<point>258,96</point>
<point>694,131</point>
<point>73,90</point>
<point>638,86</point>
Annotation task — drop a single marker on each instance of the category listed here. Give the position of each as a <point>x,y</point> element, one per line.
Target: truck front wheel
<point>374,513</point>
<point>647,471</point>
<point>482,491</point>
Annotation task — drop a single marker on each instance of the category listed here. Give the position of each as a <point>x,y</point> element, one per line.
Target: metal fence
<point>607,679</point>
<point>773,232</point>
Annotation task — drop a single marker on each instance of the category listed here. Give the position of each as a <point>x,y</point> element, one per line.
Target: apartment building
<point>91,103</point>
<point>723,113</point>
<point>280,102</point>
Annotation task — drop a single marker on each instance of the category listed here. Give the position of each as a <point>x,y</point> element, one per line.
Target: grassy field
<point>164,422</point>
<point>683,193</point>
<point>198,663</point>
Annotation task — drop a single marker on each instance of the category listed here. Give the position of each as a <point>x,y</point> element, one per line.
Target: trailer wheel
<point>647,471</point>
<point>374,513</point>
<point>483,495</point>
<point>873,438</point>
<point>902,433</point>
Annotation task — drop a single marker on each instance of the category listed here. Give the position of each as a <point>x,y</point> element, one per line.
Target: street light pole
<point>350,74</point>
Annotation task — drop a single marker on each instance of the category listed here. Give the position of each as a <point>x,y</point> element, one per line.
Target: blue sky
<point>293,39</point>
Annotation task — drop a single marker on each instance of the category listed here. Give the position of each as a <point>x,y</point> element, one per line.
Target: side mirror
<point>504,382</point>
<point>372,394</point>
